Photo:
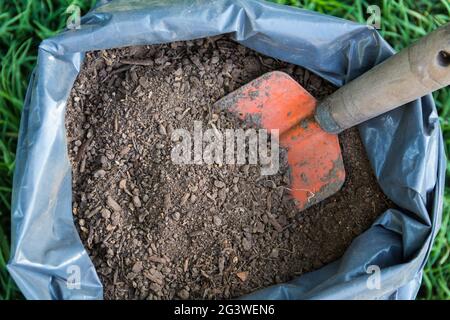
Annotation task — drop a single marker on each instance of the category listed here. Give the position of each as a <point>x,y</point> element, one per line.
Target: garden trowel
<point>308,129</point>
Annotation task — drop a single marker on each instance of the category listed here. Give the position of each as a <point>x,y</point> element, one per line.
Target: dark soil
<point>157,230</point>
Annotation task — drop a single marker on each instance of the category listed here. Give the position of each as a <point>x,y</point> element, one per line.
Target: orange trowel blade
<point>276,101</point>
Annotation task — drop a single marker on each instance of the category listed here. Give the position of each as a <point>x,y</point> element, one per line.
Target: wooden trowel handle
<point>408,75</point>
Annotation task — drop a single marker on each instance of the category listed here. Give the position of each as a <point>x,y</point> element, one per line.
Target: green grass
<point>24,23</point>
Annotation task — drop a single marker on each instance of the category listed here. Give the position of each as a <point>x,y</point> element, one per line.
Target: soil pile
<point>158,230</point>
